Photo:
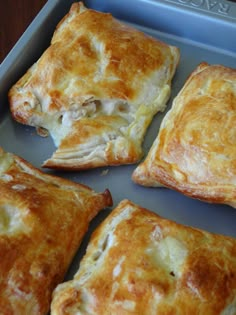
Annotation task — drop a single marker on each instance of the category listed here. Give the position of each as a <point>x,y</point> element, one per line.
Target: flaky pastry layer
<point>195,150</point>
<point>43,219</point>
<point>95,90</point>
<point>139,263</point>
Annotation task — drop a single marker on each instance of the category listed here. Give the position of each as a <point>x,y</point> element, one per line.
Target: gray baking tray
<point>203,30</point>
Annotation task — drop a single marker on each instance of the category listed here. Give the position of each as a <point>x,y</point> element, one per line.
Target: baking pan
<point>204,30</point>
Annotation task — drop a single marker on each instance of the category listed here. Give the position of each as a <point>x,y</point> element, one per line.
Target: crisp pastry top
<point>95,89</point>
<point>139,263</point>
<point>195,150</point>
<point>42,221</point>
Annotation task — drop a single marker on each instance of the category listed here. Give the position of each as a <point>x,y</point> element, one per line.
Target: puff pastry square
<point>95,90</point>
<point>195,150</point>
<point>140,263</point>
<point>42,221</point>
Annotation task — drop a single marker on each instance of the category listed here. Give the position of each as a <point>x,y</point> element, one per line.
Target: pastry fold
<point>195,149</point>
<point>95,90</point>
<point>140,263</point>
<point>43,219</point>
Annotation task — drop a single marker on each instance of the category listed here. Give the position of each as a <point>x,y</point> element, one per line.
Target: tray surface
<point>23,141</point>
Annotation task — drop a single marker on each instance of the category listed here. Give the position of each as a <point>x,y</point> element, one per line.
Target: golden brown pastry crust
<point>43,219</point>
<point>96,89</point>
<point>195,150</point>
<point>139,263</point>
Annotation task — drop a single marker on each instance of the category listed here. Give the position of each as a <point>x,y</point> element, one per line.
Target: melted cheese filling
<point>135,118</point>
<point>61,126</point>
<point>10,216</point>
<point>170,254</point>
<point>10,220</point>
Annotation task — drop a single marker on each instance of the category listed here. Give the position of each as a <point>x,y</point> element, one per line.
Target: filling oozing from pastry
<point>139,263</point>
<point>61,126</point>
<point>116,121</point>
<point>170,253</point>
<point>10,220</point>
<point>95,90</point>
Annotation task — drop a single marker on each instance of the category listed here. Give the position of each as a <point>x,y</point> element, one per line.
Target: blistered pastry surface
<point>97,70</point>
<point>140,263</point>
<point>195,149</point>
<point>43,219</point>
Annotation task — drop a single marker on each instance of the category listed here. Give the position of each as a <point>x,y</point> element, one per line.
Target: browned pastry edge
<point>164,164</point>
<point>140,263</point>
<point>43,219</point>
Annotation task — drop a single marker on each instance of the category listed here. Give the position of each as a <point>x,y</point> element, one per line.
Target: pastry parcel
<point>95,90</point>
<point>43,219</point>
<point>195,150</point>
<point>140,263</point>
